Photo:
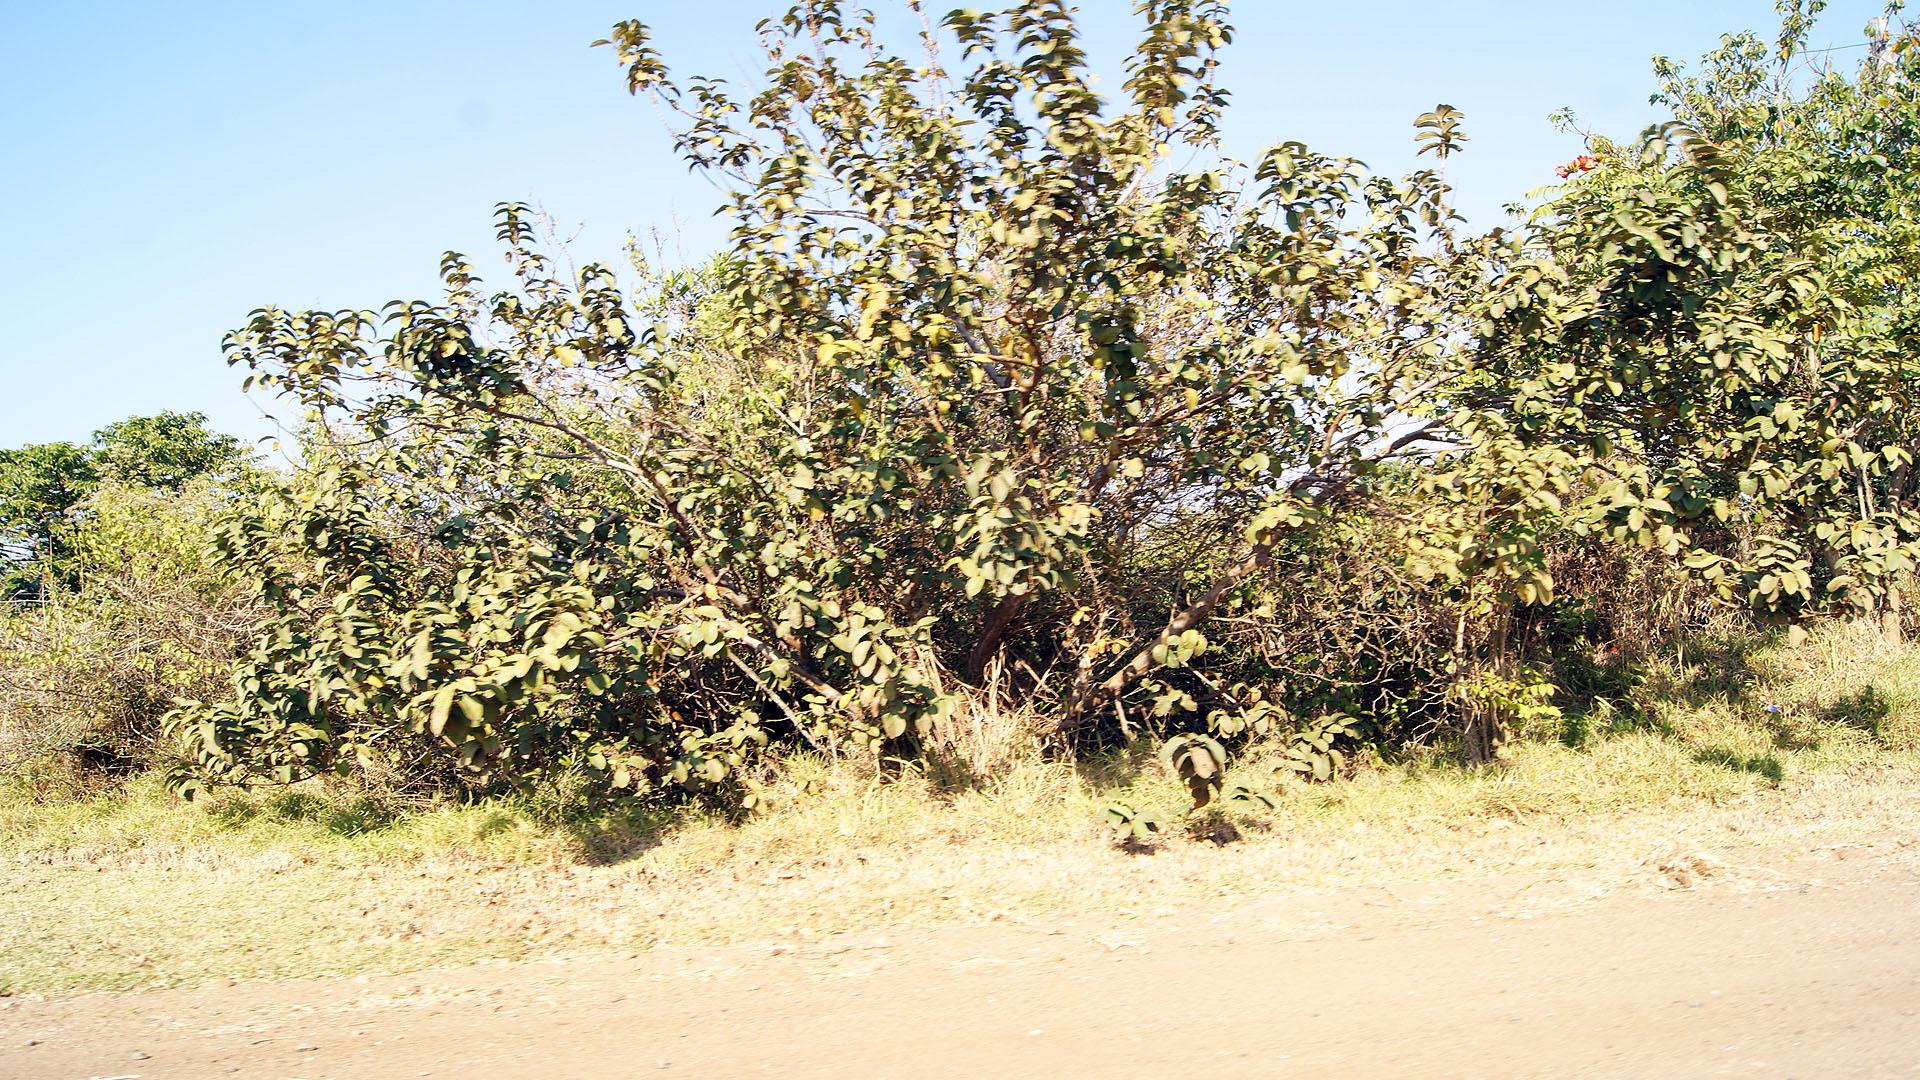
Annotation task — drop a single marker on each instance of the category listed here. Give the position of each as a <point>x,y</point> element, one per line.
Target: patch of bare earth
<point>1770,936</point>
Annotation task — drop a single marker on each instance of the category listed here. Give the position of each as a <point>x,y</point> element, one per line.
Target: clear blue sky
<point>166,168</point>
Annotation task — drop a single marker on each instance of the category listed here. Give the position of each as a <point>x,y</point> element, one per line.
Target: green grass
<point>136,888</point>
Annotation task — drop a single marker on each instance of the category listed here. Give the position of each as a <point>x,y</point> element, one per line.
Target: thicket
<point>999,426</point>
<point>112,608</point>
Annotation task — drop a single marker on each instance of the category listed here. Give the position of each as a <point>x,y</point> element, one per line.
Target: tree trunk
<point>1486,727</point>
<point>1086,701</point>
<point>1899,483</point>
<point>999,621</point>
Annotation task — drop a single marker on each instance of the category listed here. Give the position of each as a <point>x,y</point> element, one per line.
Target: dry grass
<point>139,889</point>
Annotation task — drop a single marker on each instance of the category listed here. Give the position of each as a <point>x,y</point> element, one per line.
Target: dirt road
<point>1810,971</point>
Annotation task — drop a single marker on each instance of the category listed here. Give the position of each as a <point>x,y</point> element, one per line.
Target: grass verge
<point>1788,745</point>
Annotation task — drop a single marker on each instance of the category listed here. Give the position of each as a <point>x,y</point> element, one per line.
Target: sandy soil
<point>1809,968</point>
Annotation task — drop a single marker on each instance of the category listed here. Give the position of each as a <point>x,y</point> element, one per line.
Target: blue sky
<point>170,167</point>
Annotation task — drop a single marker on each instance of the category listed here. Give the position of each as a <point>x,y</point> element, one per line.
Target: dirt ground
<point>1808,968</point>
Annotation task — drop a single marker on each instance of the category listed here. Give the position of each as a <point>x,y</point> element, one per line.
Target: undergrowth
<point>130,886</point>
<point>1708,727</point>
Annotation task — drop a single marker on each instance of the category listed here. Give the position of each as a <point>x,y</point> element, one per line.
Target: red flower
<point>1583,163</point>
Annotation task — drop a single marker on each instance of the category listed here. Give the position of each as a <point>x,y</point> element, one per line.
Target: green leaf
<point>437,715</point>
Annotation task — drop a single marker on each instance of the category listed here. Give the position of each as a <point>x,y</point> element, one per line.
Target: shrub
<point>986,403</point>
<point>89,674</point>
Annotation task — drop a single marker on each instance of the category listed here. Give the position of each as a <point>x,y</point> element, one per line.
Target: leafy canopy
<point>1005,391</point>
<point>44,487</point>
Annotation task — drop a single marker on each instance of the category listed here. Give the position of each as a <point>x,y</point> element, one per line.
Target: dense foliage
<point>116,608</point>
<point>1738,351</point>
<point>1011,408</point>
<point>44,489</point>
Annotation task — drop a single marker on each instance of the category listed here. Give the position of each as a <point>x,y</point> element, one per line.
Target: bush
<point>988,414</point>
<point>1020,432</point>
<point>89,674</point>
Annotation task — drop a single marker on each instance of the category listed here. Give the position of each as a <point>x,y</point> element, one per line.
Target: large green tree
<point>991,401</point>
<point>1007,395</point>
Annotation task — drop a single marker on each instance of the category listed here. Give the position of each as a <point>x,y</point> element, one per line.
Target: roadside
<point>1767,938</point>
<point>1574,906</point>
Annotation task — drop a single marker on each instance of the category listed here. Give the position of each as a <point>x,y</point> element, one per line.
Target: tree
<point>990,403</point>
<point>1727,315</point>
<point>164,452</point>
<point>42,486</point>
